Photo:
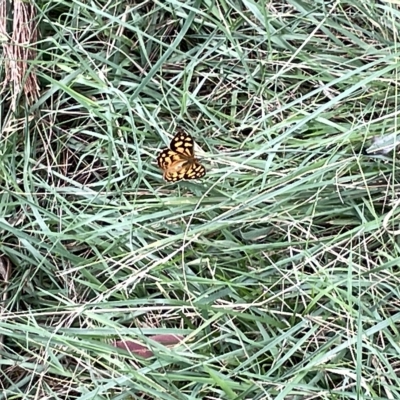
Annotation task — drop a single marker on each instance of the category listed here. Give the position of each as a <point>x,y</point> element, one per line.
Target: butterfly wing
<point>183,143</point>
<point>194,171</point>
<point>166,158</point>
<point>188,171</point>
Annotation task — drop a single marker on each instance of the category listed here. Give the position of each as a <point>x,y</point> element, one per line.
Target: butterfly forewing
<point>166,158</point>
<point>179,161</point>
<point>183,144</point>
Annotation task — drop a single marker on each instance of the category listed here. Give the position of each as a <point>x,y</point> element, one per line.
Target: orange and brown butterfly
<point>179,162</point>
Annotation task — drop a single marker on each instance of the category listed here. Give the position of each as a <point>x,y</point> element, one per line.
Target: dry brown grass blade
<point>18,50</point>
<point>5,274</point>
<point>143,350</point>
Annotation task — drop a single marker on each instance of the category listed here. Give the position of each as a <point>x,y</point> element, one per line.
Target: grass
<point>279,270</point>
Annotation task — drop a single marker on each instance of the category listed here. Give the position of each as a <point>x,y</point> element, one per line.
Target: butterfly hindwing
<point>171,176</point>
<point>195,171</point>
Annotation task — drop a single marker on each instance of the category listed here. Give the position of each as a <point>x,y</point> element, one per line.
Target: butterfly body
<point>179,162</point>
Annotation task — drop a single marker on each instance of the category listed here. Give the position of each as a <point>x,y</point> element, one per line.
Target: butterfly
<point>178,162</point>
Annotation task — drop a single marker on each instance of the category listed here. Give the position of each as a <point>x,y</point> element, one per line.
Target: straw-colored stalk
<point>19,49</point>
